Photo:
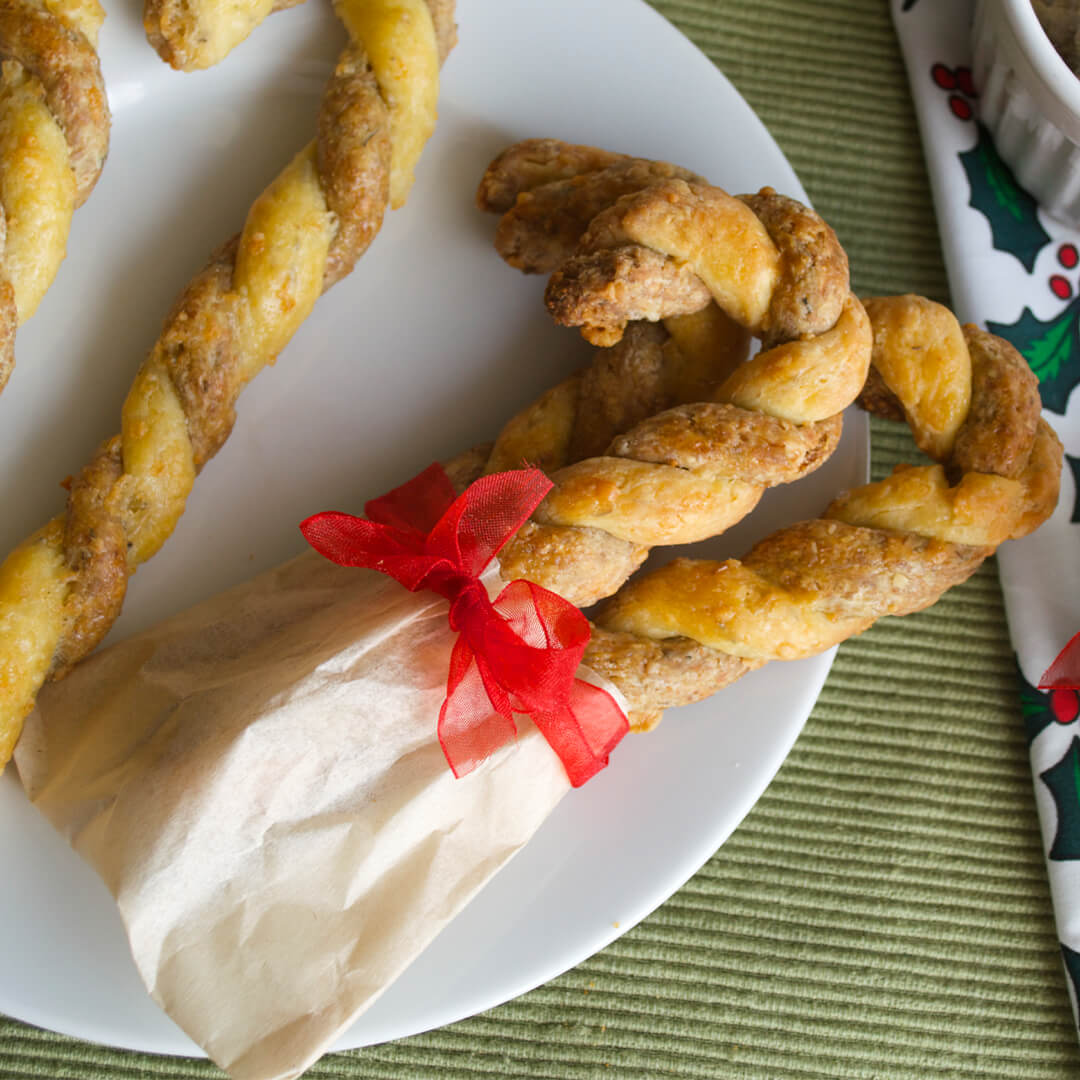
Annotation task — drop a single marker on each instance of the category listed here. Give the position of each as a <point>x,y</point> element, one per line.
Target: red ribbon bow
<point>516,654</point>
<point>1064,672</point>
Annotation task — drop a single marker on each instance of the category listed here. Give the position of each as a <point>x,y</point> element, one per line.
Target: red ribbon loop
<point>1064,672</point>
<point>516,654</point>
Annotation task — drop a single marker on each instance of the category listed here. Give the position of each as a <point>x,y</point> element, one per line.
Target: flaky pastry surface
<point>887,548</point>
<point>190,35</point>
<point>689,259</point>
<point>54,136</point>
<point>679,633</point>
<point>62,588</point>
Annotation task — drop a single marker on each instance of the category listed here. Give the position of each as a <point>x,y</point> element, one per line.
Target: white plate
<point>426,349</point>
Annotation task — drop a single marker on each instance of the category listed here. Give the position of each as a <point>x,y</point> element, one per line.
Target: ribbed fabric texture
<point>883,910</point>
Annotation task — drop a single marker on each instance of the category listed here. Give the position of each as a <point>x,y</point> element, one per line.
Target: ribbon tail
<point>1064,672</point>
<point>585,731</point>
<point>476,717</point>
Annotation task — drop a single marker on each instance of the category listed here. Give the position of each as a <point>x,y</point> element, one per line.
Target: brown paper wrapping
<point>259,784</point>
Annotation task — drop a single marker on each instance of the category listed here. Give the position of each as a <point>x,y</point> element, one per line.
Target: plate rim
<point>663,892</point>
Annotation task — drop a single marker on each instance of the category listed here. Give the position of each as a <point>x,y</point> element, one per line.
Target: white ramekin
<point>1029,100</point>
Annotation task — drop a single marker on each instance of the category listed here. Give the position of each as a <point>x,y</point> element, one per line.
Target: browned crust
<point>624,391</point>
<point>997,434</point>
<point>620,388</point>
<point>620,292</point>
<point>532,163</point>
<point>159,17</point>
<point>604,290</point>
<point>353,153</point>
<point>856,575</point>
<point>1041,479</point>
<point>875,397</point>
<point>723,440</point>
<point>9,322</point>
<point>67,67</point>
<point>95,549</point>
<point>197,343</point>
<point>1000,427</point>
<point>543,227</point>
<point>582,565</point>
<point>847,575</point>
<point>814,282</point>
<point>856,571</point>
<point>610,282</point>
<point>655,675</point>
<point>197,346</point>
<point>442,16</point>
<point>198,338</point>
<point>165,23</point>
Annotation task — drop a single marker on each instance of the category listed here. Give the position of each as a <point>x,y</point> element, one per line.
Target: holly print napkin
<point>1015,271</point>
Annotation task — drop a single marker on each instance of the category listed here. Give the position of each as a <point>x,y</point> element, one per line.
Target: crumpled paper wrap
<point>259,783</point>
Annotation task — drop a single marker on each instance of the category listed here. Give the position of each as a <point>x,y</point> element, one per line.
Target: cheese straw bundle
<point>292,788</point>
<point>63,587</point>
<point>630,240</point>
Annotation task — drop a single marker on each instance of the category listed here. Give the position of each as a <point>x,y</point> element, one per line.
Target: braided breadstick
<point>687,629</point>
<point>190,36</point>
<point>691,472</point>
<point>193,34</point>
<point>54,134</point>
<point>62,588</point>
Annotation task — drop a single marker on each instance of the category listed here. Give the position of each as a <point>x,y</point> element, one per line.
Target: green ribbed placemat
<point>883,911</point>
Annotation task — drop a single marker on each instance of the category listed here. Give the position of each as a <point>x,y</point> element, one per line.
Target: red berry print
<point>960,87</point>
<point>1060,287</point>
<point>943,76</point>
<point>961,107</point>
<point>1066,705</point>
<point>1068,257</point>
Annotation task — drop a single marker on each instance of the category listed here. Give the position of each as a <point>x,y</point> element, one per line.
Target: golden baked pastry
<point>683,631</point>
<point>63,587</point>
<point>54,135</point>
<point>549,191</point>
<point>680,633</point>
<point>662,245</point>
<point>670,246</point>
<point>193,34</point>
<point>189,36</point>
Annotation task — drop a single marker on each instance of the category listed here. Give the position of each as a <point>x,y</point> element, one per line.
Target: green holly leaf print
<point>1011,211</point>
<point>1039,708</point>
<point>1052,349</point>
<point>1034,708</point>
<point>1072,966</point>
<point>1063,780</point>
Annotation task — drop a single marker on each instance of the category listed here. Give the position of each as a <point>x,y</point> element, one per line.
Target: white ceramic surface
<point>1029,100</point>
<point>427,348</point>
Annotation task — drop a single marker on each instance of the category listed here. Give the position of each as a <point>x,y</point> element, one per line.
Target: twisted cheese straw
<point>682,632</point>
<point>631,239</point>
<point>193,34</point>
<point>62,588</point>
<point>54,136</point>
<point>623,250</point>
